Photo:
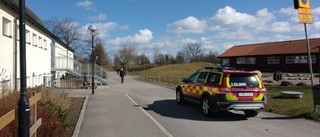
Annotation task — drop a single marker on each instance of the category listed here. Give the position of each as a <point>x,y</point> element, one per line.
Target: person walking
<point>122,74</point>
<point>117,69</point>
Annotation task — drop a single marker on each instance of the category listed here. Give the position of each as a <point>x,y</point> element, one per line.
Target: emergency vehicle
<point>221,89</point>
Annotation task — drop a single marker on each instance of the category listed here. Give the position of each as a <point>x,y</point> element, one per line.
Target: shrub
<point>50,108</point>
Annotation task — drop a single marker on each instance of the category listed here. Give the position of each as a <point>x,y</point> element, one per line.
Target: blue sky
<point>167,25</point>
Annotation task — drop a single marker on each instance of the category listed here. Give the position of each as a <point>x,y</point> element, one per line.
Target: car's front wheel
<point>251,113</point>
<point>206,106</point>
<point>179,97</point>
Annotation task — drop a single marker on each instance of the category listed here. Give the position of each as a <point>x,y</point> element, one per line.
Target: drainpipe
<point>15,43</point>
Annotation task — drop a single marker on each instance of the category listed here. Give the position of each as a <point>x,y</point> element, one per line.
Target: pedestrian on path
<point>122,74</point>
<point>117,69</point>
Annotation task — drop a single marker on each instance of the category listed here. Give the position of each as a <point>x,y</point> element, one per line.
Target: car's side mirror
<point>184,80</point>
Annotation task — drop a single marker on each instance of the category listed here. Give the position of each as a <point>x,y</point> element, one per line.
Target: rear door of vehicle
<point>198,85</point>
<point>213,82</point>
<point>243,87</point>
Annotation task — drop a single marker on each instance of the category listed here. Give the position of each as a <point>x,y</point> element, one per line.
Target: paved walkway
<point>110,112</point>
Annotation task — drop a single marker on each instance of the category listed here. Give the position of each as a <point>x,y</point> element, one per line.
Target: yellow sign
<point>304,11</point>
<point>305,18</point>
<point>304,3</point>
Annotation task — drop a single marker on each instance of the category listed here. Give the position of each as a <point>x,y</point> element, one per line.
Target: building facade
<point>41,48</point>
<point>289,56</point>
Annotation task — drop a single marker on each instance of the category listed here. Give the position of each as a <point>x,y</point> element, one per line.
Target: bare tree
<point>212,57</point>
<point>142,59</point>
<point>116,60</point>
<point>179,57</point>
<point>126,53</point>
<point>191,51</point>
<point>52,25</point>
<point>66,30</point>
<point>102,57</point>
<point>156,52</point>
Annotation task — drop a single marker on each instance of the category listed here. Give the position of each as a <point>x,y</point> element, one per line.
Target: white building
<point>41,49</point>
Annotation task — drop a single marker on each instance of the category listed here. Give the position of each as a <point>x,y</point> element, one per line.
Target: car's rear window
<point>243,80</point>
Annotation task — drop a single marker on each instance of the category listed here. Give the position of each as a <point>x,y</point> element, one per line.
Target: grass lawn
<point>292,107</point>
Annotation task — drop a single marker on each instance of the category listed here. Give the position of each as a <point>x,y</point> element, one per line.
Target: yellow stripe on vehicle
<point>230,97</point>
<point>260,85</point>
<point>259,98</point>
<point>221,77</point>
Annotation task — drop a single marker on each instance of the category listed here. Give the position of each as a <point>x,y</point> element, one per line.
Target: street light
<point>92,28</point>
<point>23,104</point>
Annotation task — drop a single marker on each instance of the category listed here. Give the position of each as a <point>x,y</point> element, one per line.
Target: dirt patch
<point>74,112</point>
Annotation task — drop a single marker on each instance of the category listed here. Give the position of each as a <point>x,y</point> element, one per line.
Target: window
<point>34,36</point>
<point>18,32</point>
<point>289,59</point>
<point>27,36</point>
<point>243,80</point>
<point>225,62</point>
<point>313,58</point>
<point>241,60</point>
<point>214,78</point>
<point>273,60</point>
<point>302,59</point>
<point>251,60</point>
<point>40,42</point>
<point>45,44</point>
<point>202,77</point>
<point>193,77</point>
<point>6,27</point>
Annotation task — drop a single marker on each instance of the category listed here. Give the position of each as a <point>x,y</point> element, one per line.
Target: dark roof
<point>273,48</point>
<point>33,18</point>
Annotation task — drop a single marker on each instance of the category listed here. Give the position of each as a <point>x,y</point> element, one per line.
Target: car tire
<point>251,113</point>
<point>179,96</point>
<point>206,106</point>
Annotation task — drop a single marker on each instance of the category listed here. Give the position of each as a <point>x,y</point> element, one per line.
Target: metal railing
<point>78,69</point>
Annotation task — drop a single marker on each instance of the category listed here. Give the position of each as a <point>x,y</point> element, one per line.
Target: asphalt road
<point>138,109</point>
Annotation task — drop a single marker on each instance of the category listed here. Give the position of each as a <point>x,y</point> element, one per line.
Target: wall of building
<point>38,52</point>
<point>263,65</point>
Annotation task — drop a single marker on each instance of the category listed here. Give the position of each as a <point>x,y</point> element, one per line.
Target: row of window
<point>300,59</point>
<point>37,41</point>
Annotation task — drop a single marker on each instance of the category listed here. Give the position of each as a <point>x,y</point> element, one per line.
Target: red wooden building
<point>288,56</point>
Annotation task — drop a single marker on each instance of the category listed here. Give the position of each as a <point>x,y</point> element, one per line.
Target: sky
<point>168,25</point>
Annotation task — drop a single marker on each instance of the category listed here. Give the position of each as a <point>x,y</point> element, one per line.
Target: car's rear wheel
<point>206,106</point>
<point>251,113</point>
<point>179,97</point>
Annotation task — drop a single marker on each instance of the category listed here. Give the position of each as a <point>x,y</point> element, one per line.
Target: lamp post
<point>92,28</point>
<point>23,104</point>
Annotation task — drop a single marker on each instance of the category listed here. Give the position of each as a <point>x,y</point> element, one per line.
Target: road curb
<point>78,126</point>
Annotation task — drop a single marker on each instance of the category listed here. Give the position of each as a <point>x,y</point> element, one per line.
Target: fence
<point>167,80</point>
<point>13,114</point>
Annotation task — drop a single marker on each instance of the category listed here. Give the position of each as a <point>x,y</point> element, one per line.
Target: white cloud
<point>316,11</point>
<point>102,29</point>
<point>187,25</point>
<point>142,37</point>
<point>280,27</point>
<point>86,4</point>
<point>288,11</point>
<point>229,17</point>
<point>227,28</point>
<point>101,16</point>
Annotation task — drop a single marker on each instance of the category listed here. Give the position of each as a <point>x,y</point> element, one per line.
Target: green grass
<point>303,107</point>
<point>177,69</point>
<point>292,107</point>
